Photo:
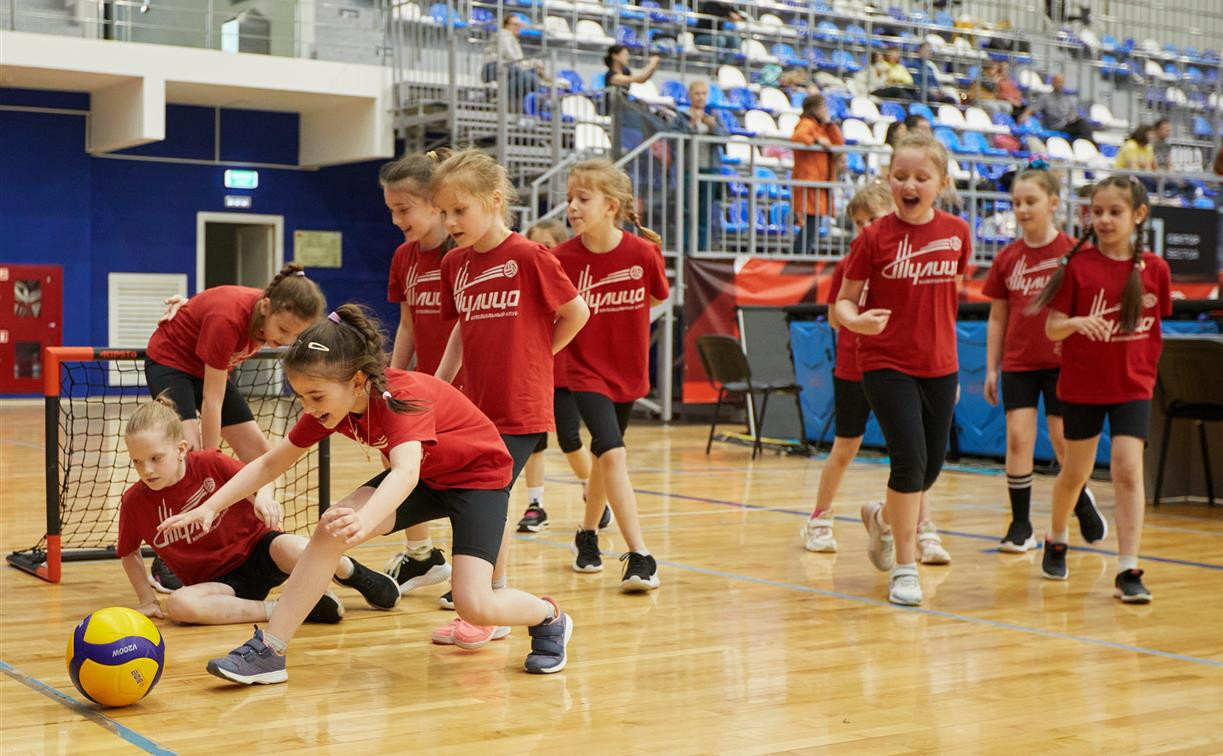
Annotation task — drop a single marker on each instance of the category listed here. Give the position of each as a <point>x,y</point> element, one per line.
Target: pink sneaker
<point>468,636</point>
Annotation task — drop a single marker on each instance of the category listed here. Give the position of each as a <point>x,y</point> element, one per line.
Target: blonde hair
<point>934,149</point>
<point>608,180</point>
<point>872,198</point>
<point>476,174</point>
<point>157,414</point>
<point>552,228</point>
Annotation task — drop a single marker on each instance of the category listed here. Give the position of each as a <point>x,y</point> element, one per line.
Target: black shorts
<point>542,446</point>
<point>1084,421</point>
<point>568,420</point>
<point>259,574</point>
<point>187,391</point>
<point>477,516</point>
<point>521,447</point>
<point>1025,388</point>
<point>852,409</point>
<point>606,420</point>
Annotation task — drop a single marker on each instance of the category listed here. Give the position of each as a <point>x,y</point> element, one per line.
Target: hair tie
<point>301,273</point>
<point>334,318</point>
<point>1038,163</point>
<point>1064,261</point>
<point>386,395</point>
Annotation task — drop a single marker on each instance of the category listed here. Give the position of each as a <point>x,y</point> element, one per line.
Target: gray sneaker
<point>548,643</point>
<point>252,662</point>
<point>881,550</point>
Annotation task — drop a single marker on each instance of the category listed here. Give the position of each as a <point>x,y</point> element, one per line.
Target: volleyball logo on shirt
<point>1031,280</point>
<point>423,299</point>
<point>1102,309</point>
<point>611,301</point>
<point>486,304</point>
<point>907,266</point>
<point>192,533</point>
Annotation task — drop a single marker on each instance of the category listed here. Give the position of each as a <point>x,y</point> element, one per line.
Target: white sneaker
<point>931,546</point>
<point>905,589</point>
<point>817,534</point>
<point>881,550</point>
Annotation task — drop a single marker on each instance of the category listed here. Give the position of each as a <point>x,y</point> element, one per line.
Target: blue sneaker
<point>548,643</point>
<point>252,662</point>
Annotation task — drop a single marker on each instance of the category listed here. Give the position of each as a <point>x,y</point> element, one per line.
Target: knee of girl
<point>476,609</point>
<point>180,609</point>
<point>1126,476</point>
<point>907,479</point>
<point>569,444</point>
<point>608,455</point>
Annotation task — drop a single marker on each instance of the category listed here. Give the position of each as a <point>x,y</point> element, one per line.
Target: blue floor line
<point>83,709</point>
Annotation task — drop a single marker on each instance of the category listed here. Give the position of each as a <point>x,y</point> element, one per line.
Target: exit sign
<point>241,179</point>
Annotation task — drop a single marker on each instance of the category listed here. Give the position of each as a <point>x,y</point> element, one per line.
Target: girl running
<point>415,283</point>
<point>914,261</point>
<point>1106,302</point>
<point>446,460</point>
<point>230,568</point>
<point>621,277</point>
<point>1029,360</point>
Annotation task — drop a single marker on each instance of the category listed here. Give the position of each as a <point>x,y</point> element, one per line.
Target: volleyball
<point>115,656</point>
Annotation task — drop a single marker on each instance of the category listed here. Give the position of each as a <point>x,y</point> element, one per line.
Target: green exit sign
<point>239,179</point>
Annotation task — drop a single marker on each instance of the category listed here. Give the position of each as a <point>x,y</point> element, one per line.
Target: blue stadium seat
<point>1194,75</point>
<point>1202,128</point>
<point>734,188</point>
<point>627,36</point>
<point>1109,150</point>
<point>731,124</point>
<point>1007,120</point>
<point>817,58</point>
<point>856,34</point>
<point>993,171</point>
<point>785,53</point>
<point>923,110</point>
<point>838,105</point>
<point>949,139</point>
<point>734,218</point>
<point>657,14</point>
<point>718,99</point>
<point>598,82</point>
<point>574,78</point>
<point>975,141</point>
<point>855,163</point>
<point>826,31</point>
<point>483,18</point>
<point>741,97</point>
<point>676,91</point>
<point>796,100</point>
<point>844,60</point>
<point>627,13</point>
<point>892,110</point>
<point>774,191</point>
<point>780,218</point>
<point>944,19</point>
<point>662,42</point>
<point>441,13</point>
<point>528,32</point>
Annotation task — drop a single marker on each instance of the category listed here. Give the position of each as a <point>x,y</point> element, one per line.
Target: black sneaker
<point>606,519</point>
<point>446,600</point>
<point>586,546</point>
<point>1129,587</point>
<point>162,578</point>
<point>640,574</point>
<point>534,520</point>
<point>1018,538</point>
<point>327,611</point>
<point>1053,563</point>
<point>378,588</point>
<point>1092,524</point>
<point>411,573</point>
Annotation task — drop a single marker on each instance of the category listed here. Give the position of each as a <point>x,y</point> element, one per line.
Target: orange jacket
<point>812,165</point>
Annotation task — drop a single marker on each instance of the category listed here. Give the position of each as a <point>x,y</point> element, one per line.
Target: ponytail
<point>159,414</point>
<point>346,342</point>
<point>1059,276</point>
<point>1131,296</point>
<point>292,292</point>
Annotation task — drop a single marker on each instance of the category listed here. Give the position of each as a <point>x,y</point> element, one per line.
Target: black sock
<point>1020,489</point>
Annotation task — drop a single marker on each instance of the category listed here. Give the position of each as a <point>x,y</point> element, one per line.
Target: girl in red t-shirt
<point>415,283</point>
<point>1030,362</point>
<point>1105,306</point>
<point>446,460</point>
<point>568,424</point>
<point>227,569</point>
<point>514,304</point>
<point>914,262</point>
<point>621,276</point>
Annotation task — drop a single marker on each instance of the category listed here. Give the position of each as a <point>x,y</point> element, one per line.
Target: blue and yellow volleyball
<point>115,656</point>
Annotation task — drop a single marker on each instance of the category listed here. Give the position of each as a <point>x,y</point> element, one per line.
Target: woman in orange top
<point>814,127</point>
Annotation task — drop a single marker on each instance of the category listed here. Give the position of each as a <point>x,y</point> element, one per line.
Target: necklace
<point>352,428</point>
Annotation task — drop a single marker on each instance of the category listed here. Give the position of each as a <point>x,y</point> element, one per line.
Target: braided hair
<point>599,174</point>
<point>292,292</point>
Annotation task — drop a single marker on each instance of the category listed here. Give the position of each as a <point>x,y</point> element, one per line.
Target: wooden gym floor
<point>752,645</point>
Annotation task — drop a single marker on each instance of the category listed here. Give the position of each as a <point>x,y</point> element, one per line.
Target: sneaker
<point>411,573</point>
<point>470,637</point>
<point>930,546</point>
<point>327,611</point>
<point>1053,563</point>
<point>586,546</point>
<point>640,574</point>
<point>1019,538</point>
<point>252,662</point>
<point>881,550</point>
<point>445,635</point>
<point>377,588</point>
<point>607,518</point>
<point>1092,524</point>
<point>904,587</point>
<point>1129,588</point>
<point>534,520</point>
<point>162,578</point>
<point>817,534</point>
<point>548,642</point>
<point>446,600</point>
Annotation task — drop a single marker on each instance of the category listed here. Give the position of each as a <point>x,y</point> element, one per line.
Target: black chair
<point>728,371</point>
<point>1190,374</point>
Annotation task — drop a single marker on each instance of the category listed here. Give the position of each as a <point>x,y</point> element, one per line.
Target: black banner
<point>1188,238</point>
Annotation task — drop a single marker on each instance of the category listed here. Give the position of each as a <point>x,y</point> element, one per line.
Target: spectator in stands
<point>1059,110</point>
<point>1161,131</point>
<point>984,91</point>
<point>711,26</point>
<point>1137,154</point>
<point>618,73</point>
<point>897,130</point>
<point>1005,88</point>
<point>928,81</point>
<point>918,124</point>
<point>699,121</point>
<point>797,80</point>
<point>521,75</point>
<point>814,127</point>
<point>897,82</point>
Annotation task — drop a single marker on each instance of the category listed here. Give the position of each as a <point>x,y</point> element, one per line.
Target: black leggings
<point>520,447</point>
<point>915,415</point>
<point>607,420</point>
<point>568,420</point>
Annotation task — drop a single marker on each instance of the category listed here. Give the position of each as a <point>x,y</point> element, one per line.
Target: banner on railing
<point>1188,238</point>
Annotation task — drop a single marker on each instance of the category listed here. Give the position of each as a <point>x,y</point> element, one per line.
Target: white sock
<point>499,583</point>
<point>1127,563</point>
<point>535,495</point>
<point>274,643</point>
<point>910,566</point>
<point>345,568</point>
<point>269,607</point>
<point>642,551</point>
<point>418,550</point>
<point>1062,537</point>
<point>551,611</point>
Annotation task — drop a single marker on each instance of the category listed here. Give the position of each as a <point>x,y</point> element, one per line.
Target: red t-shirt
<point>1121,369</point>
<point>212,329</point>
<point>506,301</point>
<point>1019,274</point>
<point>462,448</point>
<point>195,556</point>
<point>416,278</point>
<point>846,367</point>
<point>611,354</point>
<point>911,270</point>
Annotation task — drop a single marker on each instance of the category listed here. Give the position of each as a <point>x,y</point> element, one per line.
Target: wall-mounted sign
<point>236,178</point>
<point>238,201</point>
<point>318,249</point>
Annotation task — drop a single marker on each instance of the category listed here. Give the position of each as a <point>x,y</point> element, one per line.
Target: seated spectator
<point>618,73</point>
<point>522,75</point>
<point>1005,88</point>
<point>815,126</point>
<point>797,80</point>
<point>1059,111</point>
<point>928,81</point>
<point>897,130</point>
<point>712,25</point>
<point>983,92</point>
<point>1137,154</point>
<point>918,124</point>
<point>1161,133</point>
